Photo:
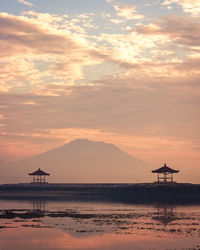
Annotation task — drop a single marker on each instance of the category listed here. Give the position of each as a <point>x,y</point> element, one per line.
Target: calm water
<point>80,225</point>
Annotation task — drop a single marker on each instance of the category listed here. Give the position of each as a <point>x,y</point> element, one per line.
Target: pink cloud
<point>25,2</point>
<point>29,39</point>
<point>183,30</point>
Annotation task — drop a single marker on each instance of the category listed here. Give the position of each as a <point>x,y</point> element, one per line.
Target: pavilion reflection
<point>38,206</point>
<point>164,214</point>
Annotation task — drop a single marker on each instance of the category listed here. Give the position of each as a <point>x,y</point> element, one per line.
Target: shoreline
<point>183,193</point>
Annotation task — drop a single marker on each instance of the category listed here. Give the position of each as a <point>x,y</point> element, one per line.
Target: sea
<point>84,225</point>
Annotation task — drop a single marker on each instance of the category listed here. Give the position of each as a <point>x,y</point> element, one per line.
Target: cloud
<point>188,6</point>
<point>158,115</point>
<point>166,48</point>
<point>20,31</point>
<point>136,86</point>
<point>125,104</point>
<point>183,30</point>
<point>41,52</point>
<point>25,2</point>
<point>43,57</point>
<point>126,11</point>
<point>26,40</point>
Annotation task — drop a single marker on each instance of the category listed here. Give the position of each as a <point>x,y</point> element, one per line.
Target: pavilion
<point>166,174</point>
<point>39,176</point>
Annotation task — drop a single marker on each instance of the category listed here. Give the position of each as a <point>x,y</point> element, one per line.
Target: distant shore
<point>185,193</point>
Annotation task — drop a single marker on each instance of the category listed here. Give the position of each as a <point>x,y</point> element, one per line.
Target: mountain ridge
<point>83,160</point>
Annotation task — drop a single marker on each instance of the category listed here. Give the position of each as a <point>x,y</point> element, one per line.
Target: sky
<point>119,71</point>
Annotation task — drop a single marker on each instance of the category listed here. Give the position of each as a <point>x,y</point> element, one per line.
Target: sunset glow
<point>119,71</point>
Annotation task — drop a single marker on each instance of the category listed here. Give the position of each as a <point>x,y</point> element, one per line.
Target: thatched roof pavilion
<point>166,174</point>
<point>39,176</point>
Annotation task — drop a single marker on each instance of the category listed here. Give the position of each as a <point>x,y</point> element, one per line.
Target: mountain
<point>83,161</point>
<point>8,172</point>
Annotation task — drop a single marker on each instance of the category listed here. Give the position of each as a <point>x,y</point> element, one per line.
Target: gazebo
<point>39,176</point>
<point>166,174</point>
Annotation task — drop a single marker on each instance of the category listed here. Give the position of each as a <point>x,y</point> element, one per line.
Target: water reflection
<point>38,206</point>
<point>164,214</point>
<point>81,225</point>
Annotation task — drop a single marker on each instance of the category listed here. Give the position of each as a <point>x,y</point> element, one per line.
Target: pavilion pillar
<point>165,177</point>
